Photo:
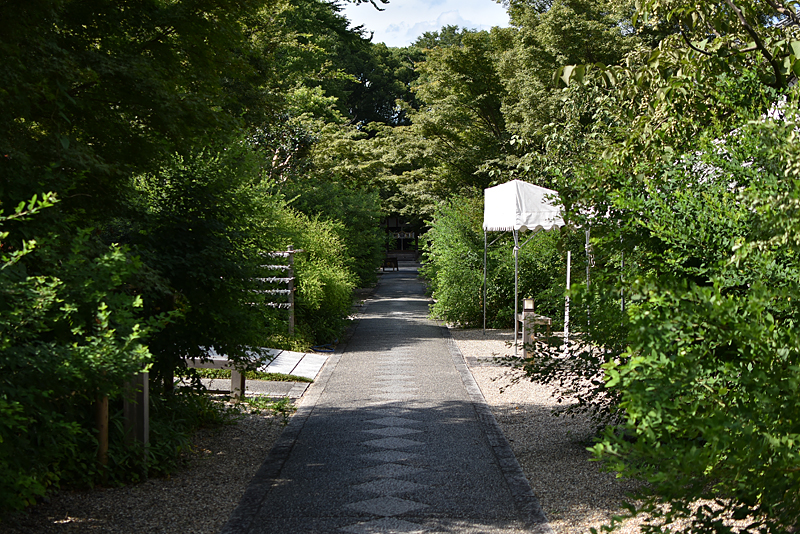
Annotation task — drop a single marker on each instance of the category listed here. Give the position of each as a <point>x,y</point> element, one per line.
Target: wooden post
<point>101,422</point>
<point>237,384</point>
<point>136,409</point>
<point>291,290</point>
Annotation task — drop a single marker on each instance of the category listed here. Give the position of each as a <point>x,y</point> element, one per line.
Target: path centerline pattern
<point>393,437</point>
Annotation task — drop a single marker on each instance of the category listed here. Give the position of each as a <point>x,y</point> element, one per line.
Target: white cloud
<point>405,20</point>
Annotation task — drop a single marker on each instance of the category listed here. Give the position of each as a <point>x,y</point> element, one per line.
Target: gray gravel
<point>574,493</point>
<point>198,500</point>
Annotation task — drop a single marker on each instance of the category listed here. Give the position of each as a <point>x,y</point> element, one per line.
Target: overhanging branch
<point>776,69</point>
<point>784,10</point>
<point>692,46</point>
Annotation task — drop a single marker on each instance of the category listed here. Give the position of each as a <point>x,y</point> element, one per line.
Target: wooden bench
<point>529,322</point>
<point>390,263</point>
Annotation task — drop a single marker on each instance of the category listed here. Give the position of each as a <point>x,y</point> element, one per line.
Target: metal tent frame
<point>517,206</point>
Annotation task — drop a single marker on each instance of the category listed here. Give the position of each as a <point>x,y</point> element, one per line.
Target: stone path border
<point>521,491</point>
<point>242,519</point>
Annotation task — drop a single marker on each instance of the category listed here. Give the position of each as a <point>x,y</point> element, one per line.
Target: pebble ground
<point>573,492</point>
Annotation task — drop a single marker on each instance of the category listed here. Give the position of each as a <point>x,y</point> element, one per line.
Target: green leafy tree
<point>133,114</point>
<point>379,89</point>
<point>694,186</point>
<point>461,115</point>
<point>551,128</point>
<point>355,216</point>
<point>706,382</point>
<point>67,340</point>
<point>94,91</point>
<point>449,36</point>
<point>199,235</point>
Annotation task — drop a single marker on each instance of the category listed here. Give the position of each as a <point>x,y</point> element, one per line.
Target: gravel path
<point>198,500</point>
<point>573,492</point>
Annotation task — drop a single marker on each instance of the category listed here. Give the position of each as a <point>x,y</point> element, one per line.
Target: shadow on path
<point>394,436</point>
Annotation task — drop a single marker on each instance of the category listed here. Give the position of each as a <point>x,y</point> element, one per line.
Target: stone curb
<point>241,520</point>
<point>524,499</point>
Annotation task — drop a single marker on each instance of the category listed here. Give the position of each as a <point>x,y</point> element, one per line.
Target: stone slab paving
<point>393,437</point>
<point>285,362</point>
<point>263,388</point>
<point>305,364</point>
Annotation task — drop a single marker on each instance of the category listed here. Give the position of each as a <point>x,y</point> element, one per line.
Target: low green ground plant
<point>252,375</point>
<point>283,407</point>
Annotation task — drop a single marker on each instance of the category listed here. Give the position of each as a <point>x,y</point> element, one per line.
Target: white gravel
<point>573,491</point>
<point>197,500</point>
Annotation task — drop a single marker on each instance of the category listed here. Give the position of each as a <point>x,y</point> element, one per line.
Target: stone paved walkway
<point>393,437</point>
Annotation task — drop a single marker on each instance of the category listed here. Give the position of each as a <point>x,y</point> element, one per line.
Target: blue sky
<point>405,20</point>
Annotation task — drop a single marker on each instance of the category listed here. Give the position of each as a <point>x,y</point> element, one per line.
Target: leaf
<point>796,66</point>
<point>566,74</point>
<point>578,73</point>
<point>610,77</point>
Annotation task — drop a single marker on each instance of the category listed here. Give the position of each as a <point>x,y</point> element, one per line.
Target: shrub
<point>707,375</point>
<point>66,341</point>
<point>325,284</point>
<point>453,262</point>
<point>454,268</point>
<point>198,231</point>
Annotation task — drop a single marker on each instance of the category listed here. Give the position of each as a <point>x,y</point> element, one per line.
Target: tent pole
<point>516,289</point>
<point>485,246</point>
<point>588,256</point>
<point>622,279</point>
<point>566,304</point>
<point>588,264</point>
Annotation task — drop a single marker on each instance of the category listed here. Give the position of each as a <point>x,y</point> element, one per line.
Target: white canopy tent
<point>517,206</point>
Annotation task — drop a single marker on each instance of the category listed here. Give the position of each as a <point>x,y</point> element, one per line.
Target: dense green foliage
<point>353,214</point>
<point>705,380</point>
<point>696,171</point>
<point>325,283</point>
<point>454,263</point>
<point>674,145</point>
<point>197,232</point>
<point>184,140</point>
<point>68,340</point>
<point>145,119</point>
<point>454,269</point>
